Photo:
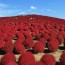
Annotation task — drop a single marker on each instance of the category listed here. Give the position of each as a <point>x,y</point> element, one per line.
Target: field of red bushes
<point>32,40</point>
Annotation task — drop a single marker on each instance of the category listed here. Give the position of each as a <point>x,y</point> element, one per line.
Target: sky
<point>53,8</point>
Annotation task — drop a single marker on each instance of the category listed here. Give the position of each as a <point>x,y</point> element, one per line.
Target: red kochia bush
<point>2,43</point>
<point>40,63</point>
<point>32,28</point>
<point>45,35</point>
<point>19,48</point>
<point>26,59</point>
<point>1,36</point>
<point>38,47</point>
<point>45,30</point>
<point>19,40</point>
<point>29,43</point>
<point>11,63</point>
<point>8,47</point>
<point>52,33</point>
<point>43,40</point>
<point>60,37</point>
<point>20,26</point>
<point>27,34</point>
<point>33,34</point>
<point>62,58</point>
<point>26,28</point>
<point>53,44</point>
<point>48,59</point>
<point>20,36</point>
<point>8,57</point>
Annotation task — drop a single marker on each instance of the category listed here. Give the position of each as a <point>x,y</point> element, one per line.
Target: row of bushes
<point>28,58</point>
<point>47,34</point>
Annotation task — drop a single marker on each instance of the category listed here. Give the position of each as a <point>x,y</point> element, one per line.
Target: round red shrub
<point>45,30</point>
<point>4,35</point>
<point>10,35</point>
<point>32,28</point>
<point>48,59</point>
<point>43,40</point>
<point>38,47</point>
<point>40,63</point>
<point>37,36</point>
<point>8,57</point>
<point>45,35</point>
<point>20,27</point>
<point>52,33</point>
<point>11,63</point>
<point>19,40</point>
<point>26,59</point>
<point>29,43</point>
<point>1,36</point>
<point>62,58</point>
<point>60,37</point>
<point>33,34</point>
<point>8,47</point>
<point>19,48</point>
<point>27,34</point>
<point>53,45</point>
<point>2,43</point>
<point>26,28</point>
<point>20,36</point>
<point>48,26</point>
<point>62,27</point>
